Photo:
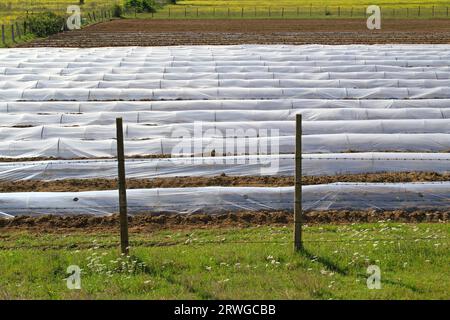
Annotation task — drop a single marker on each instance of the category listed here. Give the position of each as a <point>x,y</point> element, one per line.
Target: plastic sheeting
<point>270,165</point>
<point>225,129</point>
<point>225,72</point>
<point>132,94</point>
<point>194,105</point>
<point>171,117</point>
<point>238,83</point>
<point>352,98</point>
<point>226,199</point>
<point>410,77</point>
<point>328,143</point>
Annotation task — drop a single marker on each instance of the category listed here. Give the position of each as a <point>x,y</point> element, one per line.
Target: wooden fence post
<point>17,30</point>
<point>12,33</point>
<point>298,211</point>
<point>124,243</point>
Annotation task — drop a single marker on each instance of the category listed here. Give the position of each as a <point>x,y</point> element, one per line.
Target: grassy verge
<point>300,9</point>
<point>238,263</point>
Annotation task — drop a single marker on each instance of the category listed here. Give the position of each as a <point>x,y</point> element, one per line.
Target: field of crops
<point>294,3</point>
<point>211,137</point>
<point>300,9</point>
<point>231,111</point>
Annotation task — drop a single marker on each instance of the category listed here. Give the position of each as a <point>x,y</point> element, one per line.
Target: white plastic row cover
<point>99,57</point>
<point>263,165</point>
<point>269,52</point>
<point>405,63</point>
<point>70,94</point>
<point>68,61</point>
<point>225,129</point>
<point>212,200</point>
<point>382,49</point>
<point>33,107</point>
<point>171,117</point>
<point>101,76</point>
<point>221,69</point>
<point>328,143</point>
<point>231,83</point>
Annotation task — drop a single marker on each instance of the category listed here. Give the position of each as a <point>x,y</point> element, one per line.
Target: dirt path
<point>132,32</point>
<point>75,185</point>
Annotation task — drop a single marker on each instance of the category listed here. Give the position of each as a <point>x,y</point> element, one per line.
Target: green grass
<point>8,38</point>
<point>21,36</point>
<point>12,10</point>
<point>249,9</point>
<point>248,263</point>
<point>294,3</point>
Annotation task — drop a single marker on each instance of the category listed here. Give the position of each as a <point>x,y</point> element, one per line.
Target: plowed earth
<point>77,185</point>
<point>150,222</point>
<point>160,32</point>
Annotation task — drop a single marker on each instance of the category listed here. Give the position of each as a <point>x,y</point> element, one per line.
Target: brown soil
<point>76,185</point>
<point>149,222</point>
<point>30,159</point>
<point>160,32</point>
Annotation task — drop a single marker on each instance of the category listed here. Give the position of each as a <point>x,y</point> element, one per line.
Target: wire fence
<point>14,31</point>
<point>312,11</point>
